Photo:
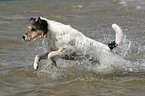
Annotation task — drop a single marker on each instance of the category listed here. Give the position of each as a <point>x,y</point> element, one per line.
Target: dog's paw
<point>36,61</point>
<point>35,66</point>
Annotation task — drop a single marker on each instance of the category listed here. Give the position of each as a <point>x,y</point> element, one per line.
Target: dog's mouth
<point>31,39</point>
<point>24,37</point>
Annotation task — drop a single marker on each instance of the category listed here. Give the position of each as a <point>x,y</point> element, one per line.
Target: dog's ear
<point>39,20</point>
<point>32,19</point>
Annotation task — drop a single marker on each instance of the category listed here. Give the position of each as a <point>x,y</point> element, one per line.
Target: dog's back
<point>66,35</point>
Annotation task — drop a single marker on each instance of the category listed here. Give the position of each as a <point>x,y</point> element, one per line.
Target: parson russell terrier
<point>66,42</point>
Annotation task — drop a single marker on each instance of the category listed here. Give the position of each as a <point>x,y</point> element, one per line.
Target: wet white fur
<point>64,37</point>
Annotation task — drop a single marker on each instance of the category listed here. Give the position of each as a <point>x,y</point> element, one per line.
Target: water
<point>72,78</point>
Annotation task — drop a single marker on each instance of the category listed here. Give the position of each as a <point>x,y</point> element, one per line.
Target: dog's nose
<point>23,37</point>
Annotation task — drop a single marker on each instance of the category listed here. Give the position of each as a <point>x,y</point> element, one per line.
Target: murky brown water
<point>71,78</point>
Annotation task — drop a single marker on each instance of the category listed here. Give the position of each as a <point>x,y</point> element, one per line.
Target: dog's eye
<point>33,29</point>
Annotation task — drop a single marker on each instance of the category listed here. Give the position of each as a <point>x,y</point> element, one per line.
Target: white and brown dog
<point>66,42</point>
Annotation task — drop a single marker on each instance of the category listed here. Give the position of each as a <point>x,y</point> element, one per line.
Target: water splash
<point>130,50</point>
<point>43,46</point>
<point>110,64</point>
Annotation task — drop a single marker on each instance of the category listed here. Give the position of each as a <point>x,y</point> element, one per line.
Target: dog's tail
<point>119,34</point>
<point>119,37</point>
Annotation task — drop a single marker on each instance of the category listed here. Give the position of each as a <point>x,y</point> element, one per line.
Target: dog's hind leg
<point>38,58</point>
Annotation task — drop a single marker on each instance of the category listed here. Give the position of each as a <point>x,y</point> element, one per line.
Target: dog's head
<point>38,29</point>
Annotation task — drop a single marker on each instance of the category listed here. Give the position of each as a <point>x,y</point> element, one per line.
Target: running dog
<point>66,42</point>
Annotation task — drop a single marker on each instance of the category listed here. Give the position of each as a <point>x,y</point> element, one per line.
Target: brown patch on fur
<point>34,34</point>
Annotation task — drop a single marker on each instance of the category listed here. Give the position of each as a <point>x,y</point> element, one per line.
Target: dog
<point>66,42</point>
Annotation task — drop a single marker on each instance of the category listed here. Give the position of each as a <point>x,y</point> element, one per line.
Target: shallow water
<point>71,78</point>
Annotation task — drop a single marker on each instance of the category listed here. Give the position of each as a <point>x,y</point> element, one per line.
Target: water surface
<point>71,78</point>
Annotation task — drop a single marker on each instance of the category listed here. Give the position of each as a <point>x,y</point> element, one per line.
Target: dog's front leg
<point>38,58</point>
<point>52,56</point>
